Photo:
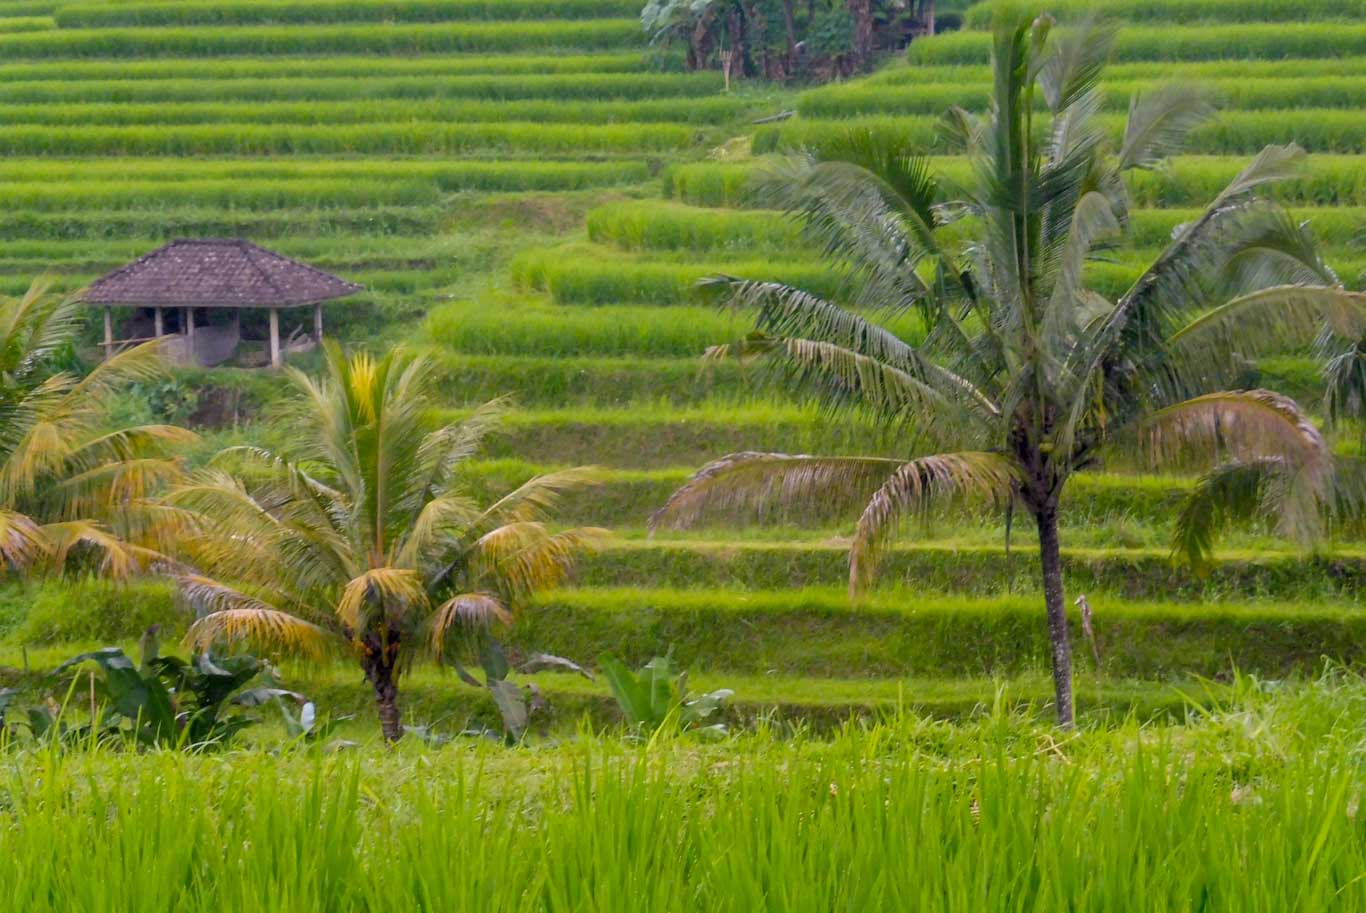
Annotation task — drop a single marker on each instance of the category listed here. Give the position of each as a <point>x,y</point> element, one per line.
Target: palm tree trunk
<point>1050,558</point>
<point>380,670</point>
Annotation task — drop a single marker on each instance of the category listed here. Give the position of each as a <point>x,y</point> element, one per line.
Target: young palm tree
<point>363,533</point>
<point>1024,374</point>
<point>70,484</point>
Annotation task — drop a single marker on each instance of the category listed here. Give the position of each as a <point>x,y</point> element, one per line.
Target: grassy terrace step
<point>355,69</point>
<point>602,381</point>
<point>1232,132</point>
<point>980,570</point>
<point>304,193</point>
<point>445,174</point>
<point>922,97</point>
<point>817,633</point>
<point>579,86</point>
<point>1262,40</point>
<point>433,697</point>
<point>275,12</point>
<point>1201,11</point>
<point>1192,180</point>
<point>411,138</point>
<point>215,221</point>
<point>438,697</point>
<point>584,275</point>
<point>904,72</point>
<point>678,110</point>
<point>650,225</point>
<point>625,497</point>
<point>643,437</point>
<point>370,38</point>
<point>11,24</point>
<point>534,329</point>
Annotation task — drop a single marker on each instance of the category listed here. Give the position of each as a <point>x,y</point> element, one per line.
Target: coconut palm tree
<point>1025,374</point>
<point>71,485</point>
<point>363,534</point>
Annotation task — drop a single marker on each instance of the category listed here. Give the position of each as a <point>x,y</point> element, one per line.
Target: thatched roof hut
<point>192,274</point>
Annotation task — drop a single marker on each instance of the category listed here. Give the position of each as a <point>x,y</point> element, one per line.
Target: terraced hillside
<point>613,323</point>
<point>548,190</point>
<point>365,136</point>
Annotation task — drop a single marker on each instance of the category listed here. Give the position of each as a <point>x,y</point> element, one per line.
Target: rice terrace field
<point>786,456</point>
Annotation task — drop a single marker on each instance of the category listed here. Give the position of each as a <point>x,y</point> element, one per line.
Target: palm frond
<point>520,559</point>
<point>1246,425</point>
<point>915,485</point>
<point>22,540</point>
<point>1270,319</point>
<point>381,592</point>
<point>119,559</point>
<point>535,498</point>
<point>1159,123</point>
<point>468,614</point>
<point>1073,65</point>
<point>772,482</point>
<point>238,618</point>
<point>1229,492</point>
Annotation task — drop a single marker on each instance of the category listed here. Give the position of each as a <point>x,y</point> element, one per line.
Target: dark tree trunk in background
<point>926,16</point>
<point>700,44</point>
<point>1050,559</point>
<point>861,13</point>
<point>735,28</point>
<point>381,669</point>
<point>790,25</point>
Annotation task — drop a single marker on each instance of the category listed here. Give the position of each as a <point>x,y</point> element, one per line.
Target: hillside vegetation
<point>530,190</point>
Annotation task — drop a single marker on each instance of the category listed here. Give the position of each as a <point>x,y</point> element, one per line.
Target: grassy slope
<point>506,182</point>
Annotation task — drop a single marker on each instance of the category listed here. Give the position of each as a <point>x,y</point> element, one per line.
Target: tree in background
<point>778,40</point>
<point>1024,374</point>
<point>73,484</point>
<point>364,535</point>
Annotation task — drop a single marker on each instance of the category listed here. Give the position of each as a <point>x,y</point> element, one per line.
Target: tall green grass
<point>666,226</point>
<point>1203,71</point>
<point>922,97</point>
<point>445,174</point>
<point>1184,11</point>
<point>232,89</point>
<point>410,138</point>
<point>357,111</point>
<point>1232,132</point>
<point>1185,181</point>
<point>374,38</point>
<point>481,328</point>
<point>10,24</point>
<point>162,222</point>
<point>718,617</point>
<point>355,68</point>
<point>669,226</point>
<point>257,12</point>
<point>1253,808</point>
<point>1261,40</point>
<point>583,276</point>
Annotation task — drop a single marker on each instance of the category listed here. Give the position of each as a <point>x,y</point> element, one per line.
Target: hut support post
<point>318,323</point>
<point>159,322</point>
<point>108,332</point>
<point>275,337</point>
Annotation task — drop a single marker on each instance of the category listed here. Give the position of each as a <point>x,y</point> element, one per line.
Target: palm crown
<point>69,482</point>
<point>1023,374</point>
<point>363,534</point>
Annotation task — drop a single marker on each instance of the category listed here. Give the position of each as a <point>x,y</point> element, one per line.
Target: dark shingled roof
<point>216,273</point>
